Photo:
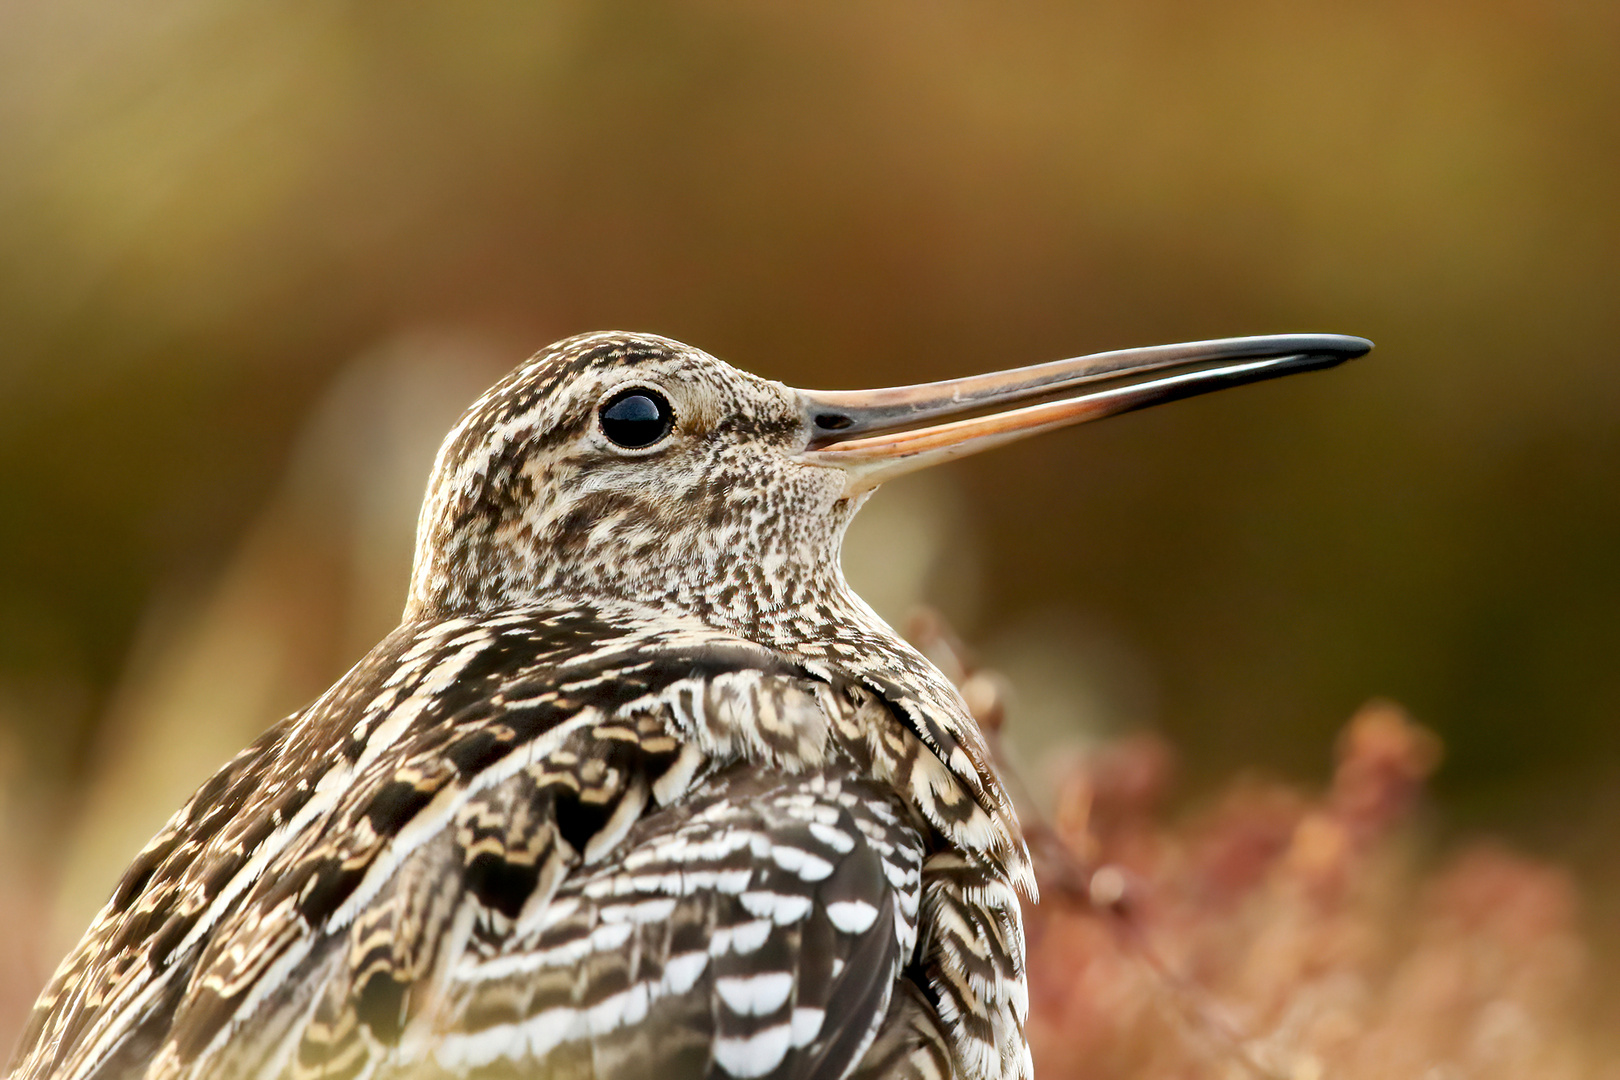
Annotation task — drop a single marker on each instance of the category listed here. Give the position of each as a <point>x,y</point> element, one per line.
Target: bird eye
<point>636,418</point>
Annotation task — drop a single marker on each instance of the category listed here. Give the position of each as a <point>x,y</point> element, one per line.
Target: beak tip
<point>1341,346</point>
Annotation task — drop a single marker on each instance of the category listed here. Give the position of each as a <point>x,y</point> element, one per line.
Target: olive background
<point>211,213</point>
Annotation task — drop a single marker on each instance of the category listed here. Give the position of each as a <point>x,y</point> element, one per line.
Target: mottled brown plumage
<point>638,787</point>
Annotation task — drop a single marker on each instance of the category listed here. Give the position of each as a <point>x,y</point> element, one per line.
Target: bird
<point>639,787</point>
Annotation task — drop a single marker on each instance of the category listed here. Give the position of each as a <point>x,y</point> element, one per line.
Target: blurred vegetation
<point>1281,933</point>
<point>217,222</point>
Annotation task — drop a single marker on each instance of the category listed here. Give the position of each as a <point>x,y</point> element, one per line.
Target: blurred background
<point>255,259</point>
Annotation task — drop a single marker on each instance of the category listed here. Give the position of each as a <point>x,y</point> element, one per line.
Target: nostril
<point>832,421</point>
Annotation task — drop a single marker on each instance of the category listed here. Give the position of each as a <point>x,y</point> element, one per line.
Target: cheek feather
<point>717,517</point>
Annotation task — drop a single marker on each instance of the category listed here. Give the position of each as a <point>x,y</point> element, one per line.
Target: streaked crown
<point>630,467</point>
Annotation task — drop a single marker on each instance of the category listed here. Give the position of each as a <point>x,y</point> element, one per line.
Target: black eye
<point>636,418</point>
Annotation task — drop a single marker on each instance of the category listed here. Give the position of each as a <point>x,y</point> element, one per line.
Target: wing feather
<point>605,847</point>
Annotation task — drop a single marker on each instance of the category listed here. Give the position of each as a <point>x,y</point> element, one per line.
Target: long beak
<point>876,435</point>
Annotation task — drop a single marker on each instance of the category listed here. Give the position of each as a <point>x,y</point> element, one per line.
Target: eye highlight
<point>636,418</point>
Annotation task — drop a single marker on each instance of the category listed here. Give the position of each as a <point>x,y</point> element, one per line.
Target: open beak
<point>876,435</point>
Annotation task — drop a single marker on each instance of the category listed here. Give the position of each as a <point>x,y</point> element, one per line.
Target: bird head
<point>617,466</point>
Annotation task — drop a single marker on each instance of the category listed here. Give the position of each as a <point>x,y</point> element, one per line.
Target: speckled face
<point>630,467</point>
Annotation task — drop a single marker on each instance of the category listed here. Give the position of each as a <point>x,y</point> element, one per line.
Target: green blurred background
<point>254,258</point>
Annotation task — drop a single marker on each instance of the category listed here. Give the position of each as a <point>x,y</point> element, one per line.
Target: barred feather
<point>590,811</point>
